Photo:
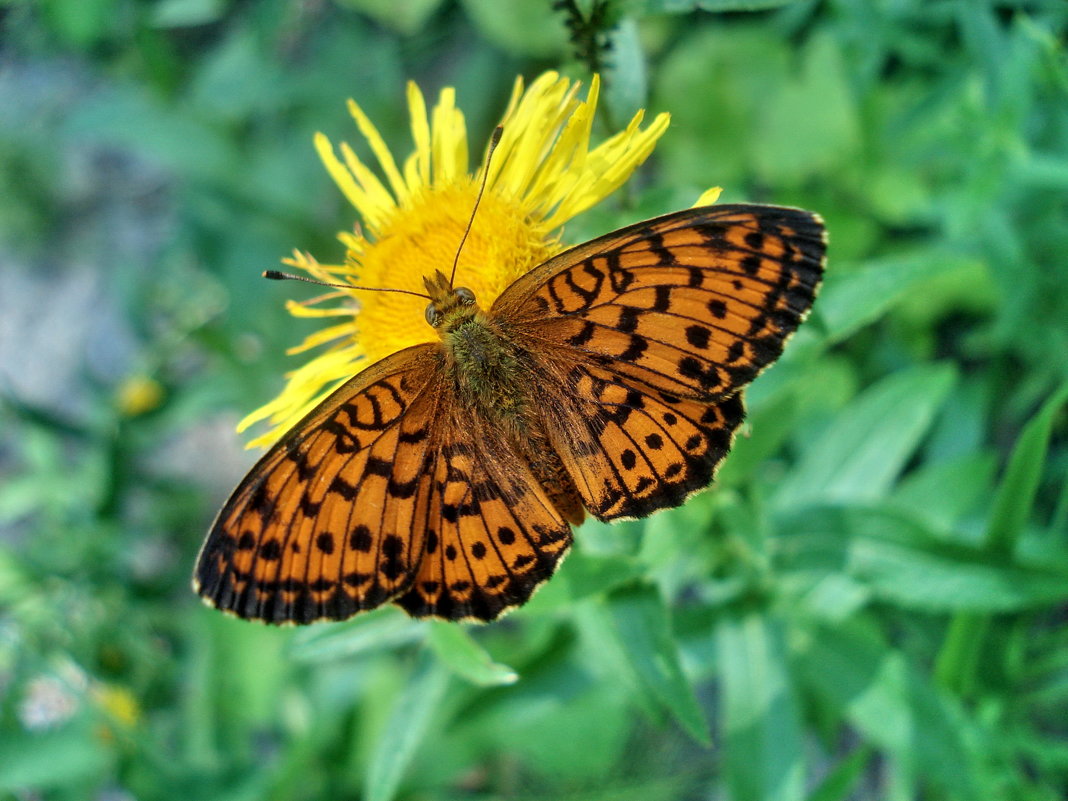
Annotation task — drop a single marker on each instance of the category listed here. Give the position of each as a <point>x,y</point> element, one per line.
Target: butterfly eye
<point>432,315</point>
<point>465,294</point>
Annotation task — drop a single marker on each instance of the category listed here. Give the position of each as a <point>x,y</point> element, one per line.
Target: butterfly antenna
<point>495,140</point>
<point>278,275</point>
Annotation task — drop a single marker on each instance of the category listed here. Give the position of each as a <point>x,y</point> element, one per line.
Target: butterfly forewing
<point>328,522</point>
<point>695,303</point>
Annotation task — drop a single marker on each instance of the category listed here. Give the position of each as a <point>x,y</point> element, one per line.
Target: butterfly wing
<point>694,303</point>
<point>492,536</point>
<point>646,335</point>
<point>326,523</point>
<point>386,491</point>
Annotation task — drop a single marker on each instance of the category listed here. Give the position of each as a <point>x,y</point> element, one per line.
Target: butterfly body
<point>445,477</point>
<point>494,379</point>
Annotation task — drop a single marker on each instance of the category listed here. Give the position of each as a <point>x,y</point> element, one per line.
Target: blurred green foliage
<point>870,605</point>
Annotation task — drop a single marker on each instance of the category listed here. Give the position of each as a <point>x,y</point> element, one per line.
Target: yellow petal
<point>417,167</point>
<point>321,337</point>
<point>709,196</point>
<point>381,151</point>
<point>381,200</point>
<point>342,177</point>
<point>449,139</point>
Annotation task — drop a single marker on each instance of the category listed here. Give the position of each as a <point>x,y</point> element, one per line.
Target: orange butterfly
<point>446,477</point>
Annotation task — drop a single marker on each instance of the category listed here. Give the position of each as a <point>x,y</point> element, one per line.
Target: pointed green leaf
<point>457,649</point>
<point>851,300</point>
<point>405,729</point>
<point>762,728</point>
<point>864,449</point>
<point>905,563</point>
<point>639,629</point>
<point>1016,492</point>
<point>943,492</point>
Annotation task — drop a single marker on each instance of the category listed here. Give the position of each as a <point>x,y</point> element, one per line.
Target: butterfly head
<point>448,305</point>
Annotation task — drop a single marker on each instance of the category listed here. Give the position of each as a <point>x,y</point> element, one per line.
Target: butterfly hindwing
<point>631,449</point>
<point>492,535</point>
<point>326,523</point>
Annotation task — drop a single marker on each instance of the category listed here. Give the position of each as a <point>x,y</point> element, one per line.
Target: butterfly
<point>446,477</point>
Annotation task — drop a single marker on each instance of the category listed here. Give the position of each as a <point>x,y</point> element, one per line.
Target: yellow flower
<point>543,173</point>
<point>139,395</point>
<point>119,703</point>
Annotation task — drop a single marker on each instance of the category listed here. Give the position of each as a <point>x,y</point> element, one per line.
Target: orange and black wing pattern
<point>388,491</point>
<point>492,534</point>
<point>330,521</point>
<point>648,334</point>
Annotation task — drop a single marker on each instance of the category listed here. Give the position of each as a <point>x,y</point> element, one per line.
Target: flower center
<point>419,239</point>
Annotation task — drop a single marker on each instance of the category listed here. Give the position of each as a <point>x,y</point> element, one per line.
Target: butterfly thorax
<point>483,359</point>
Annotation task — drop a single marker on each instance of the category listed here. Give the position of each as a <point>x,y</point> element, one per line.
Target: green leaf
<point>639,631</point>
<point>906,564</point>
<point>683,6</point>
<point>762,728</point>
<point>1016,492</point>
<point>850,300</point>
<point>457,649</point>
<point>943,493</point>
<point>866,446</point>
<point>405,729</point>
<point>374,631</point>
<point>939,577</point>
<point>852,669</point>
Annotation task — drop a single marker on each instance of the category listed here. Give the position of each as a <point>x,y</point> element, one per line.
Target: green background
<point>872,603</point>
